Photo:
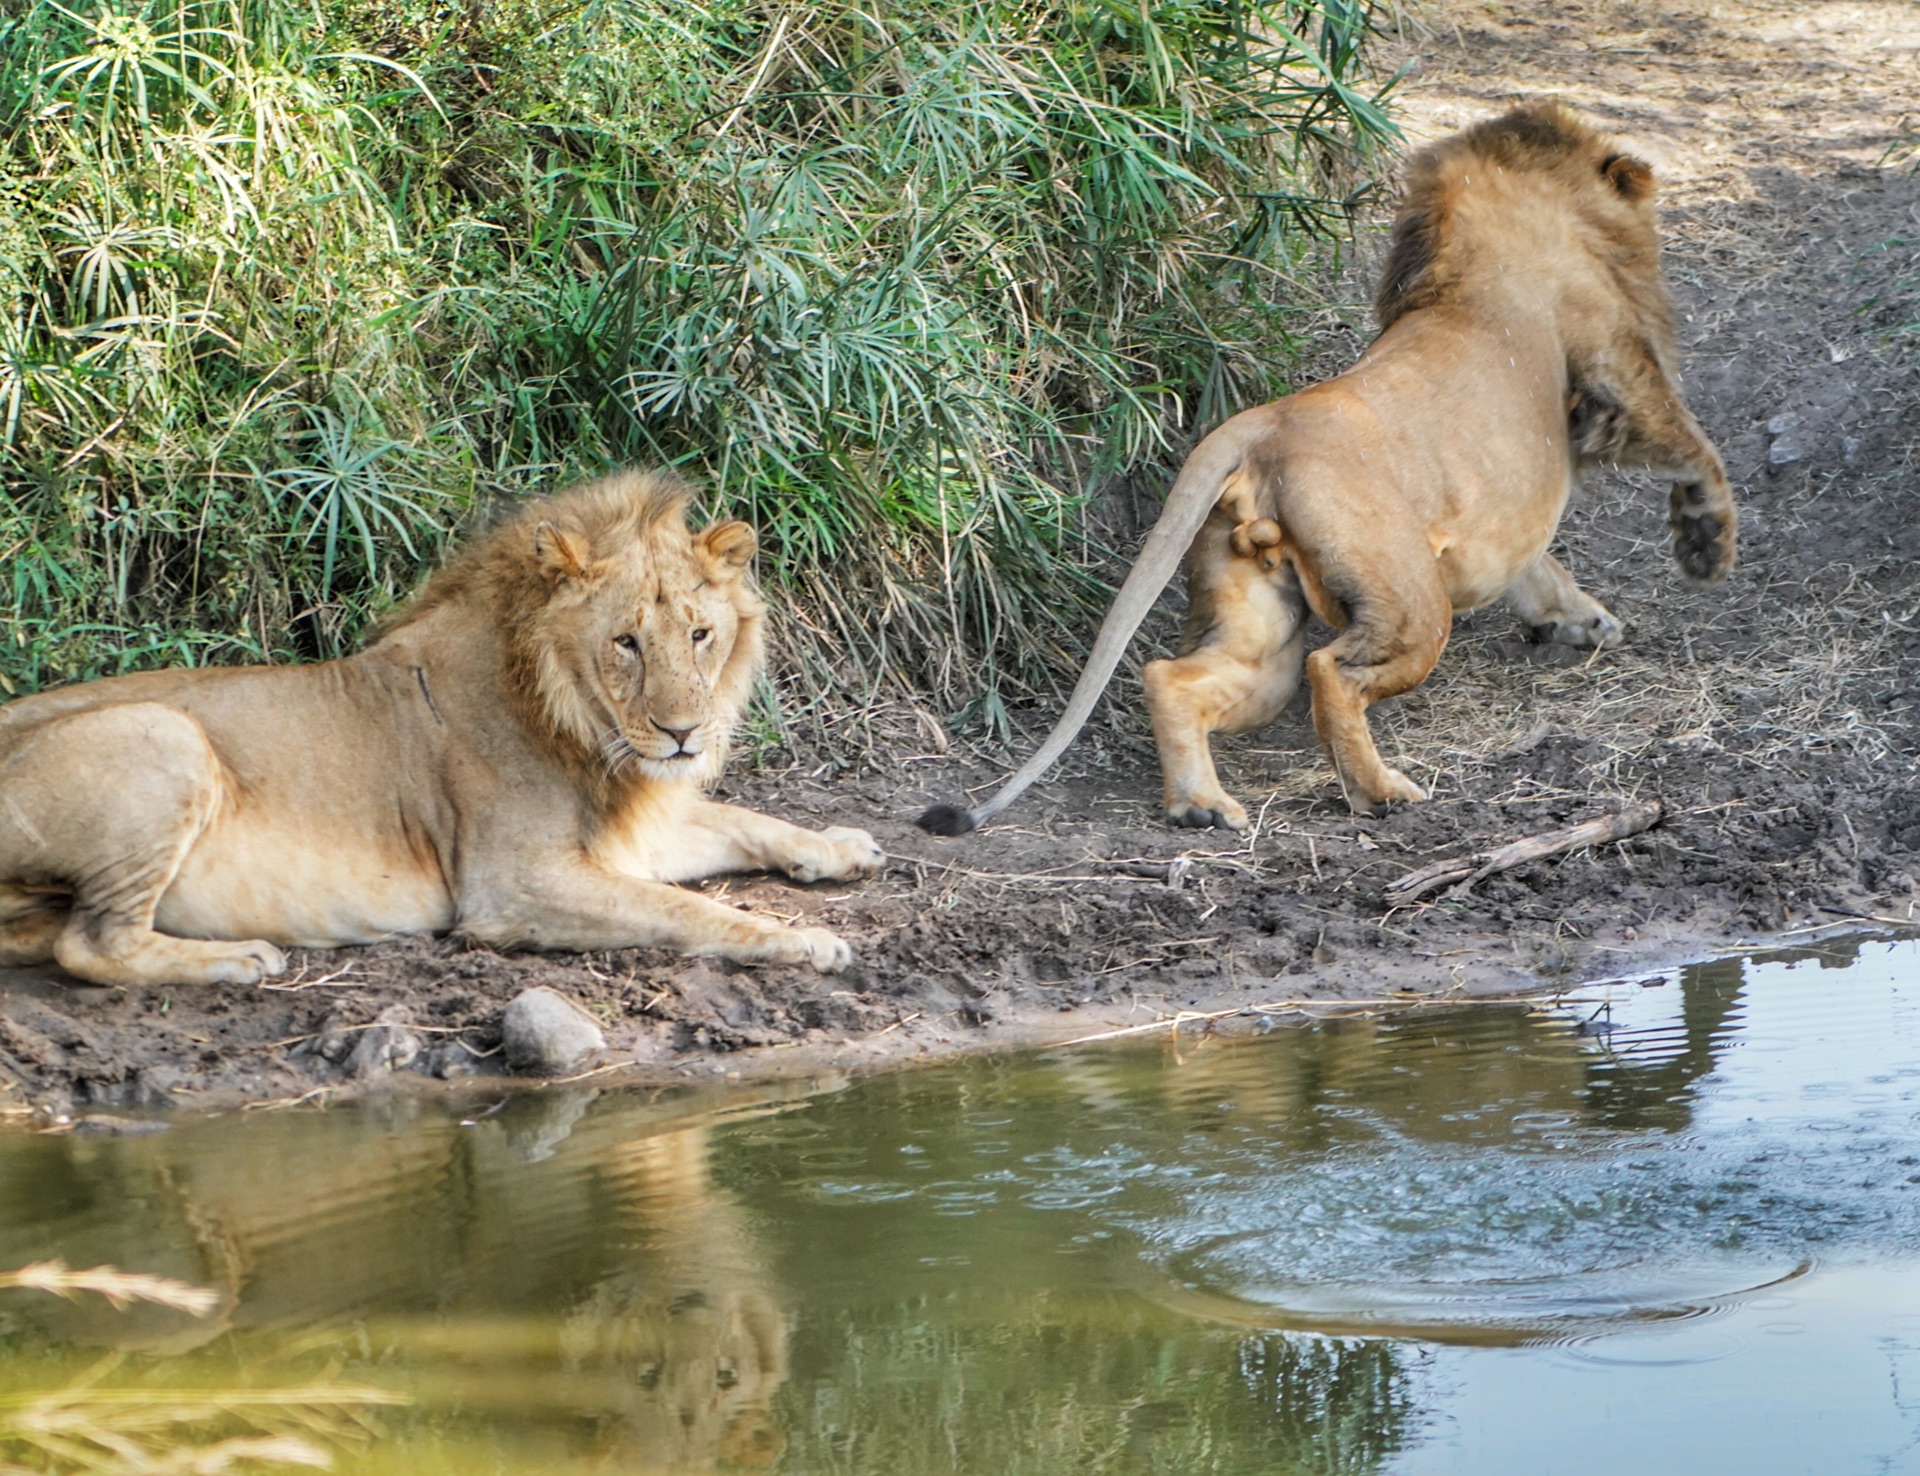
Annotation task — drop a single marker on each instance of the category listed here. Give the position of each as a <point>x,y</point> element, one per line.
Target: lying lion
<point>520,756</point>
<point>1526,333</point>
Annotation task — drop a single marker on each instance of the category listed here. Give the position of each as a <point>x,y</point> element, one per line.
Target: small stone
<point>451,1060</point>
<point>1850,449</point>
<point>1787,446</point>
<point>385,1046</point>
<point>331,1043</point>
<point>546,1034</point>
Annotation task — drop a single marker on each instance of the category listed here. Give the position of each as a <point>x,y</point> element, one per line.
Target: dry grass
<point>93,1427</point>
<point>121,1288</point>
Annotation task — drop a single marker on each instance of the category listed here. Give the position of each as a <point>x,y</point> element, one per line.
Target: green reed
<point>291,291</point>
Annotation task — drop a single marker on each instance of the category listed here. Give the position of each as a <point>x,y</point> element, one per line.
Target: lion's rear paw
<point>1601,631</point>
<point>248,963</point>
<point>827,952</point>
<point>135,957</point>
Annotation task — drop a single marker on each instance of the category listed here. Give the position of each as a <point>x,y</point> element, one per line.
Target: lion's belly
<point>1480,560</point>
<point>302,890</point>
<point>1480,580</point>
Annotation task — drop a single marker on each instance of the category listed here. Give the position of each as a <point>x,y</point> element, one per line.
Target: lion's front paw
<point>827,952</point>
<point>1223,811</point>
<point>1395,789</point>
<point>1703,534</point>
<point>1600,631</point>
<point>839,854</point>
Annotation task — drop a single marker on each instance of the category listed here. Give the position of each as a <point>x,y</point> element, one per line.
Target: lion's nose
<point>678,735</point>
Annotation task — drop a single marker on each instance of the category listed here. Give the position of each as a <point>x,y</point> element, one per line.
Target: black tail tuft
<point>945,820</point>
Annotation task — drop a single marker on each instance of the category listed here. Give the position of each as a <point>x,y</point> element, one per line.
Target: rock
<point>546,1034</point>
<point>452,1059</point>
<point>385,1046</point>
<point>1787,447</point>
<point>536,1126</point>
<point>331,1043</point>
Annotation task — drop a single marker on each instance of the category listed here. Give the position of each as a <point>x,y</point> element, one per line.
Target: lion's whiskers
<point>617,751</point>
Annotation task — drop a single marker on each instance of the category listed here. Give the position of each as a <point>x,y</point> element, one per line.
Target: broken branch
<point>1466,870</point>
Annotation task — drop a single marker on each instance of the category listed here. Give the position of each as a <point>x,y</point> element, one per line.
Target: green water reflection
<point>1680,1231</point>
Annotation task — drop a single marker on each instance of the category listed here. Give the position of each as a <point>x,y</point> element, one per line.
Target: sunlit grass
<point>288,287</point>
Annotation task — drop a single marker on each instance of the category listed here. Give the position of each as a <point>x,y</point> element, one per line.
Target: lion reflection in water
<point>692,1344</point>
<point>671,1358</point>
<point>590,1290</point>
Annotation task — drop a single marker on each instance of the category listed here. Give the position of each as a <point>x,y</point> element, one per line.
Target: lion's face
<point>656,641</point>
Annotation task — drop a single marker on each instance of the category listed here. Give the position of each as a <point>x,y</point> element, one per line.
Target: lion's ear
<point>563,556</point>
<point>730,544</point>
<point>1632,177</point>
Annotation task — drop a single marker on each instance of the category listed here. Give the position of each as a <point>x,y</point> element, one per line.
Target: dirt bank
<point>1776,717</point>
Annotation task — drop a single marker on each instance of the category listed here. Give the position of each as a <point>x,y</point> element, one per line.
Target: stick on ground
<point>1466,870</point>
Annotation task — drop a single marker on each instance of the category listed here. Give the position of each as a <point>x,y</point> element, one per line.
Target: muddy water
<point>1667,1228</point>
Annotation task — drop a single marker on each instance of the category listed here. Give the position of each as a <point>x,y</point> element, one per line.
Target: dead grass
<point>97,1426</point>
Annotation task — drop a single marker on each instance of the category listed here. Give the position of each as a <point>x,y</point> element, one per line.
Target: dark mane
<point>1545,139</point>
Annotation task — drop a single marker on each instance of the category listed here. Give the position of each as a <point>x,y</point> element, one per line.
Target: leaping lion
<point>1525,334</point>
<point>520,756</point>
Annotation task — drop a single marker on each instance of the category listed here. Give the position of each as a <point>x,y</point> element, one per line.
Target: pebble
<point>546,1034</point>
<point>384,1047</point>
<point>1787,446</point>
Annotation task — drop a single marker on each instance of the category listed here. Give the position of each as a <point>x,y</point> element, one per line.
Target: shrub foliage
<point>289,289</point>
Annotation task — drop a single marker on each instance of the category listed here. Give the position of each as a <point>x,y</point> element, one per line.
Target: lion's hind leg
<point>30,920</point>
<point>1557,609</point>
<point>116,842</point>
<point>1242,670</point>
<point>1399,617</point>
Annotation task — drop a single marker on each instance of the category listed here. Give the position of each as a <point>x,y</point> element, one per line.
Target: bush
<point>287,293</point>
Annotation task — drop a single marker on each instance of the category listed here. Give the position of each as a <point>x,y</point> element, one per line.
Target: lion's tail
<point>1194,495</point>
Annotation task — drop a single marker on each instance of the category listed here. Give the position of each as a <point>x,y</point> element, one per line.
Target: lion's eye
<point>630,643</point>
<point>700,633</point>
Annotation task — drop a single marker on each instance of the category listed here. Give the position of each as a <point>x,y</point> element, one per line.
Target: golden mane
<point>501,567</point>
<point>1588,175</point>
<point>623,522</point>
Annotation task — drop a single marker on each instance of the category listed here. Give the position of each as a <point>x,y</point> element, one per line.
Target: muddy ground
<point>1775,717</point>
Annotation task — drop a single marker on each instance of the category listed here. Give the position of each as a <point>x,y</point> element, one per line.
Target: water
<point>1670,1229</point>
